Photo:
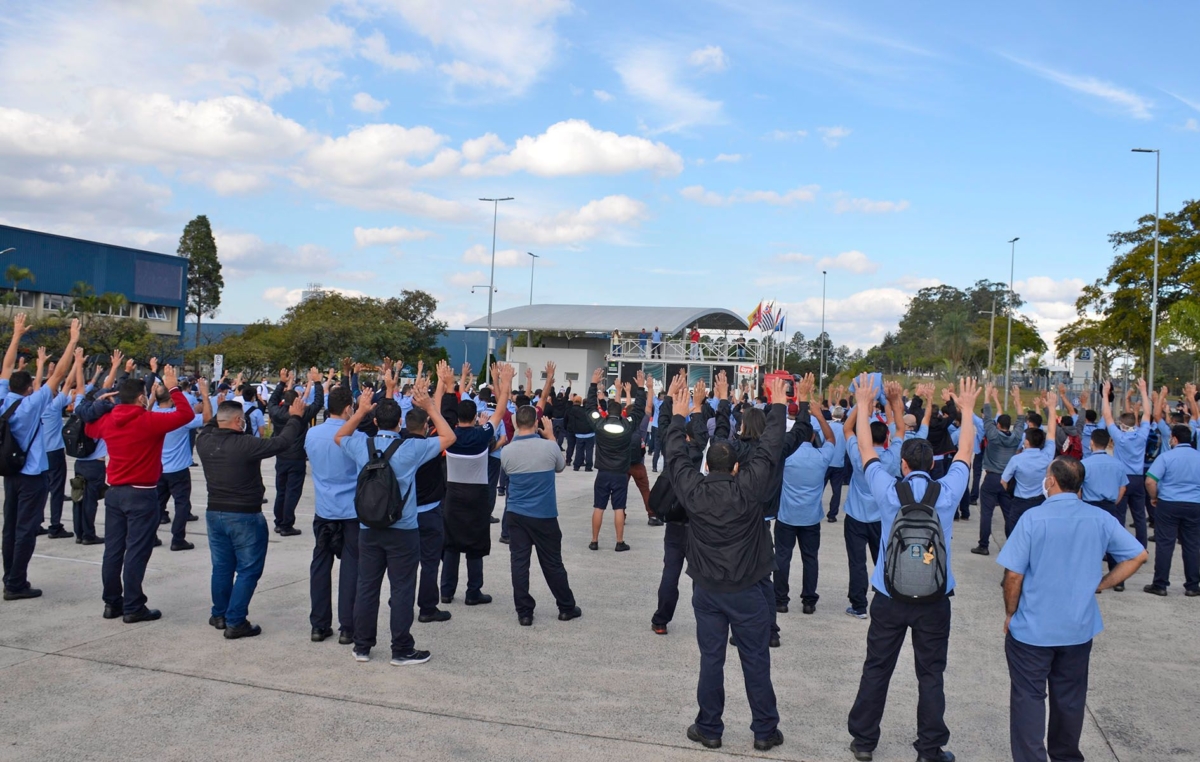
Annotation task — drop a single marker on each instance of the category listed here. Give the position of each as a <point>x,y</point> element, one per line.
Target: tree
<point>953,334</point>
<point>1120,302</point>
<point>198,246</point>
<point>16,275</point>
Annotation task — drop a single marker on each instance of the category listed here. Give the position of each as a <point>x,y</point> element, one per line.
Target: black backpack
<point>377,498</point>
<point>914,568</point>
<point>12,455</point>
<point>79,444</point>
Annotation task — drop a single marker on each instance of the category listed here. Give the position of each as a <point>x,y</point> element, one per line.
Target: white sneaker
<point>362,657</point>
<point>850,610</point>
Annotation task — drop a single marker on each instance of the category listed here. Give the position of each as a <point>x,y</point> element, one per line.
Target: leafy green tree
<point>198,246</point>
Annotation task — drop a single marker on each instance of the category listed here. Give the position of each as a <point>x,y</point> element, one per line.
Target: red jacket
<point>134,437</point>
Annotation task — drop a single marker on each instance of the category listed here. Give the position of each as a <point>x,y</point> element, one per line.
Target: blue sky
<point>686,153</point>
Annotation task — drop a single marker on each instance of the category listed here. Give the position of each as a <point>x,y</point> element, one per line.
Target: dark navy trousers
<point>1030,669</point>
<point>674,550</point>
<point>860,536</point>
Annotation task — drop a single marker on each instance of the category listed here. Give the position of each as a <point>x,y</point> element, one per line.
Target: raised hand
<point>550,368</point>
<point>130,365</point>
<point>75,331</point>
<point>202,385</point>
<point>640,378</point>
<point>19,326</point>
<point>42,356</point>
<point>865,391</point>
<point>364,399</point>
<point>154,365</point>
<point>778,391</point>
<point>679,393</point>
<point>804,388</point>
<point>597,374</point>
<point>968,392</point>
<point>169,379</point>
<point>297,406</point>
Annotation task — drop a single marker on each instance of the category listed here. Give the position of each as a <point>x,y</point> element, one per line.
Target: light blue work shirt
<point>1057,547</point>
<point>408,457</point>
<point>839,444</point>
<point>406,405</point>
<point>1086,435</point>
<point>654,420</point>
<point>52,423</point>
<point>177,445</point>
<point>25,424</point>
<point>883,488</point>
<point>860,504</point>
<point>1177,472</point>
<point>656,337</point>
<point>1029,468</point>
<point>922,432</point>
<point>101,451</point>
<point>257,421</point>
<point>1103,478</point>
<point>335,476</point>
<point>804,484</point>
<point>1129,447</point>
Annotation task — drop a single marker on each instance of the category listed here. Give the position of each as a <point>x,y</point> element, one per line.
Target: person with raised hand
<point>1129,437</point>
<point>291,466</point>
<point>614,434</point>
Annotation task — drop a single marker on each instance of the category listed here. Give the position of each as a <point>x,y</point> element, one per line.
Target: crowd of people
<point>406,478</point>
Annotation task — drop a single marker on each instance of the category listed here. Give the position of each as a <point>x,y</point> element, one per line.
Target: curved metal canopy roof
<point>604,318</point>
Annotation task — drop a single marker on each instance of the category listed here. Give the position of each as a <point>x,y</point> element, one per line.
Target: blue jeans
<point>748,615</point>
<point>238,544</point>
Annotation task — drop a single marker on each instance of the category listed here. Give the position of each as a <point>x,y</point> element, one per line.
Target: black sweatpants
<point>527,533</point>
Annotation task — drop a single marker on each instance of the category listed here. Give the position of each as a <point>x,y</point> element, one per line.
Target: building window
<point>572,377</point>
<point>123,311</point>
<point>58,302</point>
<point>152,312</point>
<point>21,299</point>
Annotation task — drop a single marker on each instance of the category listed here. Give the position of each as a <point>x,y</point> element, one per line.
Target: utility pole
<point>491,347</point>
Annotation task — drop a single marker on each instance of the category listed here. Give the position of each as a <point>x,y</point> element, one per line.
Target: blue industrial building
<point>154,285</point>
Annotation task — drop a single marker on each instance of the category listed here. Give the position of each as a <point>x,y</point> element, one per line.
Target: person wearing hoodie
<point>134,437</point>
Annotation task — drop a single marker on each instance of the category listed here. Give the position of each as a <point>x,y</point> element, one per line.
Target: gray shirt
<point>1001,445</point>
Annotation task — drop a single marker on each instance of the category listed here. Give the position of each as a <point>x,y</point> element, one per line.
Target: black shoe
<point>504,540</point>
<point>58,533</point>
<point>809,608</point>
<point>42,531</point>
<point>290,532</point>
<point>193,517</point>
<point>653,521</point>
<point>862,755</point>
<point>621,547</point>
<point>216,622</point>
<point>966,517</point>
<point>525,621</point>
<point>412,657</point>
<point>243,630</point>
<point>185,545</point>
<point>566,616</point>
<point>481,600</point>
<point>942,756</point>
<point>90,541</point>
<point>979,550</point>
<point>781,608</point>
<point>164,520</point>
<point>576,468</point>
<point>1155,590</point>
<point>500,491</point>
<point>1191,593</point>
<point>447,599</point>
<point>774,641</point>
<point>832,519</point>
<point>29,592</point>
<point>157,542</point>
<point>493,520</point>
<point>593,546</point>
<point>145,615</point>
<point>770,742</point>
<point>1150,538</point>
<point>694,734</point>
<point>658,629</point>
<point>264,501</point>
<point>437,616</point>
<point>345,638</point>
<point>321,635</point>
<point>588,470</point>
<point>111,612</point>
<point>1119,588</point>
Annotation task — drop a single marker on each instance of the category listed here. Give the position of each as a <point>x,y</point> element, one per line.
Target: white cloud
<point>731,158</point>
<point>853,261</point>
<point>833,135</point>
<point>859,320</point>
<point>867,206</point>
<point>366,104</point>
<point>364,237</point>
<point>709,59</point>
<point>1191,125</point>
<point>652,76</point>
<point>375,49</point>
<point>476,149</point>
<point>602,96</point>
<point>596,219</point>
<point>380,154</point>
<point>467,280</point>
<point>482,255</point>
<point>915,283</point>
<point>242,253</point>
<point>60,194</point>
<point>793,256</point>
<point>787,134</point>
<point>493,45</point>
<point>1040,288</point>
<point>231,183</point>
<point>698,194</point>
<point>1131,103</point>
<point>284,297</point>
<point>574,147</point>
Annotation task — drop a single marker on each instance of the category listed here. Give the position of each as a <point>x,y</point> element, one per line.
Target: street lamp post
<point>991,335</point>
<point>487,360</point>
<point>1154,295</point>
<point>492,285</point>
<point>821,380</point>
<point>533,258</point>
<point>1012,266</point>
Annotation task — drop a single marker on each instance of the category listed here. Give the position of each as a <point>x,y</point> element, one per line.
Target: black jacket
<point>431,476</point>
<point>279,416</point>
<point>577,420</point>
<point>614,433</point>
<point>801,432</point>
<point>729,544</point>
<point>233,464</point>
<point>663,501</point>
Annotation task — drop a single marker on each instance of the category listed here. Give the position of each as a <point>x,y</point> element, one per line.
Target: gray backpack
<point>914,568</point>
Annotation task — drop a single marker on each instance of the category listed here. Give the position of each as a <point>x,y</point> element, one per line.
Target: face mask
<point>1045,491</point>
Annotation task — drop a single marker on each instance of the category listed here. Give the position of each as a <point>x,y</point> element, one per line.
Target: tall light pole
<point>532,264</point>
<point>1012,266</point>
<point>487,360</point>
<point>491,349</point>
<point>991,337</point>
<point>821,380</point>
<point>1154,295</point>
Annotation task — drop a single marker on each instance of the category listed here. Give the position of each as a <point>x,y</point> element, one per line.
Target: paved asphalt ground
<point>74,686</point>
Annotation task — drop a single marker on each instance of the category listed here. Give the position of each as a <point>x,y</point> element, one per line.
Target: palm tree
<point>15,274</point>
<point>85,299</point>
<point>953,333</point>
